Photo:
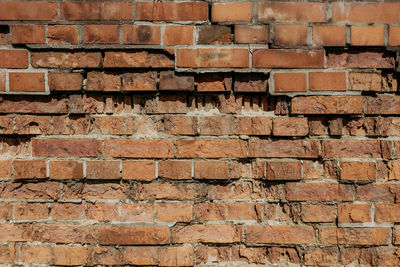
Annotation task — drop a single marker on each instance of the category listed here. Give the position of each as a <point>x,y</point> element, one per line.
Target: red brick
<point>46,190</point>
<point>104,256</point>
<point>170,191</point>
<point>209,211</point>
<point>96,10</point>
<point>65,60</point>
<point>28,10</point>
<point>326,256</point>
<point>169,80</point>
<point>62,34</point>
<point>31,211</point>
<point>327,105</point>
<point>290,82</point>
<point>146,81</point>
<point>245,34</point>
<point>357,171</point>
<point>65,81</point>
<point>354,236</point>
<point>284,170</point>
<point>382,104</point>
<point>101,34</point>
<point>207,233</point>
<point>291,12</point>
<point>283,148</point>
<point>366,12</point>
<point>101,81</point>
<point>329,35</point>
<point>238,11</point>
<point>250,82</point>
<point>315,213</point>
<point>280,234</point>
<point>174,169</point>
<point>141,59</point>
<point>70,255</point>
<point>139,170</point>
<point>139,148</point>
<point>317,191</point>
<point>286,126</point>
<point>36,254</point>
<point>102,211</point>
<point>214,125</point>
<point>253,125</point>
<point>2,81</point>
<point>103,170</point>
<point>68,211</point>
<point>141,255</point>
<point>15,232</point>
<point>394,33</point>
<point>27,82</point>
<point>133,235</point>
<point>210,170</point>
<point>283,255</point>
<point>142,34</point>
<point>367,35</point>
<point>142,212</point>
<point>211,148</point>
<point>174,212</point>
<point>5,169</point>
<point>212,58</point>
<point>66,147</point>
<point>290,35</point>
<point>213,82</point>
<point>166,104</point>
<point>29,169</point>
<point>354,213</point>
<point>65,233</point>
<point>288,58</point>
<point>387,213</point>
<point>328,81</point>
<point>29,124</point>
<point>360,59</point>
<point>244,211</point>
<point>176,256</point>
<point>214,34</point>
<point>13,59</point>
<point>171,11</point>
<point>28,34</point>
<point>375,192</point>
<point>178,35</point>
<point>180,125</point>
<point>351,148</point>
<point>365,81</point>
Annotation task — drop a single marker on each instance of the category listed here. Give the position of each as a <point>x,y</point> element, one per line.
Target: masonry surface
<point>199,133</point>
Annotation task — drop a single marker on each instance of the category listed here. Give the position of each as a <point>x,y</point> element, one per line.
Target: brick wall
<point>199,133</point>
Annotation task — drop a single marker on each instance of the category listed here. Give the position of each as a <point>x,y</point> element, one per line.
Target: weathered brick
<point>382,104</point>
<point>351,148</point>
<point>65,81</point>
<point>283,255</point>
<point>354,236</point>
<point>288,58</point>
<point>169,80</point>
<point>212,58</point>
<point>141,255</point>
<point>365,12</point>
<point>289,12</point>
<point>65,233</point>
<point>103,10</point>
<point>286,126</point>
<point>174,169</point>
<point>327,105</point>
<point>139,148</point>
<point>103,169</point>
<point>251,34</point>
<point>104,256</point>
<point>326,256</point>
<point>211,170</point>
<point>178,35</point>
<point>65,60</point>
<point>253,125</point>
<point>31,211</point>
<point>8,253</point>
<point>394,39</point>
<point>283,148</point>
<point>66,147</point>
<point>250,83</point>
<point>142,212</point>
<point>176,256</point>
<point>28,34</point>
<point>329,35</point>
<point>326,191</point>
<point>317,213</point>
<point>139,170</point>
<point>45,190</point>
<point>209,233</point>
<point>280,234</point>
<point>146,81</point>
<point>243,211</point>
<point>211,148</point>
<point>214,34</point>
<point>284,170</point>
<point>133,235</point>
<point>29,169</point>
<point>290,35</point>
<point>28,10</point>
<point>360,59</point>
<point>62,34</point>
<point>354,213</point>
<point>171,11</point>
<point>174,212</point>
<point>36,254</point>
<point>238,11</point>
<point>101,34</point>
<point>103,211</point>
<point>211,82</point>
<point>214,125</point>
<point>29,124</point>
<point>142,59</point>
<point>101,81</point>
<point>170,191</point>
<point>65,255</point>
<point>141,34</point>
<point>357,171</point>
<point>209,211</point>
<point>68,211</point>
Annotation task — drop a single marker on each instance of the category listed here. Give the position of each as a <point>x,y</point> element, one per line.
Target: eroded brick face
<point>199,133</point>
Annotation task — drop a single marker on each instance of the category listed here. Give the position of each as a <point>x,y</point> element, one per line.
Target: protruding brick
<point>328,81</point>
<point>104,10</point>
<point>213,58</point>
<point>28,34</point>
<point>288,58</point>
<point>283,170</point>
<point>171,11</point>
<point>133,235</point>
<point>142,59</point>
<point>238,11</point>
<point>65,60</point>
<point>329,35</point>
<point>65,81</point>
<point>142,34</point>
<point>357,171</point>
<point>251,34</point>
<point>367,35</point>
<point>290,35</point>
<point>62,34</point>
<point>289,12</point>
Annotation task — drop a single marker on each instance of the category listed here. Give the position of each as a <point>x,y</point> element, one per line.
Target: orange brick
<point>14,59</point>
<point>139,148</point>
<point>367,35</point>
<point>65,60</point>
<point>62,34</point>
<point>68,211</point>
<point>215,125</point>
<point>178,35</point>
<point>134,235</point>
<point>253,125</point>
<point>171,11</point>
<point>176,256</point>
<point>394,36</point>
<point>287,126</point>
<point>31,211</point>
<point>28,34</point>
<point>354,213</point>
<point>66,170</point>
<point>238,11</point>
<point>174,169</point>
<point>115,10</point>
<point>213,82</point>
<point>102,211</point>
<point>251,34</point>
<point>70,255</point>
<point>28,10</point>
<point>146,81</point>
<point>29,169</point>
<point>290,35</point>
<point>325,191</point>
<point>243,211</point>
<point>41,254</point>
<point>180,125</point>
<point>211,148</point>
<point>284,170</point>
<point>329,35</point>
<point>141,255</point>
<point>317,213</point>
<point>357,171</point>
<point>210,170</point>
<point>328,81</point>
<point>290,82</point>
<point>354,236</point>
<point>283,148</point>
<point>280,234</point>
<point>65,81</point>
<point>174,212</point>
<point>288,58</point>
<point>103,170</point>
<point>143,212</point>
<point>220,233</point>
<point>2,81</point>
<point>104,256</point>
<point>327,105</point>
<point>8,253</point>
<point>101,81</point>
<point>209,211</point>
<point>139,170</point>
<point>213,58</point>
<point>101,34</point>
<point>142,34</point>
<point>366,12</point>
<point>29,124</point>
<point>289,12</point>
<point>387,213</point>
<point>27,82</point>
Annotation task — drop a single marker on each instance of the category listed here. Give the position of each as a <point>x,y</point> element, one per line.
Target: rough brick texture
<point>199,133</point>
